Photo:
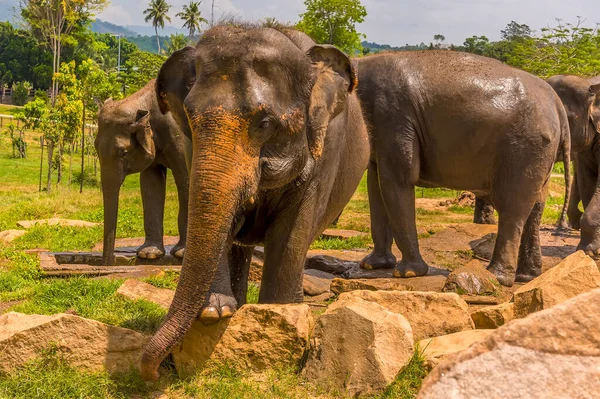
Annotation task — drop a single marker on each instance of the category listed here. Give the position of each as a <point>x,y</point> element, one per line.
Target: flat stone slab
<point>26,224</point>
<point>135,289</point>
<point>135,242</point>
<point>124,256</point>
<point>8,236</point>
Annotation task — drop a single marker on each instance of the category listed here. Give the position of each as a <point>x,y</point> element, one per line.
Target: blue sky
<point>395,22</point>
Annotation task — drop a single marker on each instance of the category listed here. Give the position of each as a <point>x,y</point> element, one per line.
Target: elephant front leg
<point>153,186</point>
<point>588,181</point>
<point>220,302</point>
<point>381,231</point>
<point>530,252</point>
<point>239,268</point>
<point>573,212</point>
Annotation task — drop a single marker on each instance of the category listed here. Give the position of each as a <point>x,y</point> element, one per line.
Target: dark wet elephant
<point>279,147</point>
<point>581,98</point>
<point>443,118</point>
<point>134,136</point>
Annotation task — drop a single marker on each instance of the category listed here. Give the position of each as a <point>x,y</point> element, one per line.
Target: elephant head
<point>258,103</point>
<point>581,98</point>
<point>125,145</point>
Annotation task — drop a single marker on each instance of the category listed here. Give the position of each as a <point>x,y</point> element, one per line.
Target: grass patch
<point>408,382</point>
<point>463,210</point>
<point>252,294</point>
<point>51,376</point>
<point>169,280</point>
<point>324,243</point>
<point>6,109</point>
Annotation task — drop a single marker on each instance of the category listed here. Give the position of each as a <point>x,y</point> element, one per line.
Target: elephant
<point>581,99</point>
<point>134,136</point>
<point>279,147</point>
<point>466,122</point>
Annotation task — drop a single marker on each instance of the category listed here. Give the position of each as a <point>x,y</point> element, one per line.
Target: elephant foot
<point>407,269</point>
<point>178,250</point>
<point>507,279</point>
<point>377,261</point>
<point>217,308</point>
<point>575,220</point>
<point>150,252</point>
<point>590,250</point>
<point>524,278</point>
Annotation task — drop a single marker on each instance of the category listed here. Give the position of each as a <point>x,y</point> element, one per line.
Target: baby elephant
<point>456,120</point>
<point>134,136</point>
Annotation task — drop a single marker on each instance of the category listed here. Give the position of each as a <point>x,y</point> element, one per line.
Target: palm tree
<point>176,42</point>
<point>192,18</point>
<point>157,12</point>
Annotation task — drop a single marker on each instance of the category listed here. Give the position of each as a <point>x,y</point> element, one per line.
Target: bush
<point>20,93</point>
<point>89,179</point>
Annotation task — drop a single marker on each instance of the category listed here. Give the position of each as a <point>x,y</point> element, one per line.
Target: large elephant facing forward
<point>456,120</point>
<point>279,147</point>
<point>134,136</point>
<point>581,98</point>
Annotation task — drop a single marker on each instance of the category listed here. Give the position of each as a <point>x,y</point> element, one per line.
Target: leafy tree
<point>53,21</point>
<point>140,69</point>
<point>176,42</point>
<point>20,93</point>
<point>157,13</point>
<point>192,17</point>
<point>476,45</point>
<point>566,48</point>
<point>516,31</point>
<point>334,22</point>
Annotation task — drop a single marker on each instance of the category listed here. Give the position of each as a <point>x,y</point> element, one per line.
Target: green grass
<point>338,243</point>
<point>408,382</point>
<point>6,109</point>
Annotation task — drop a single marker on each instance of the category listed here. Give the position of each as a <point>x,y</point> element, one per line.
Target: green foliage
<point>20,93</point>
<point>176,42</point>
<point>476,45</point>
<point>140,69</point>
<point>338,243</point>
<point>192,17</point>
<point>408,382</point>
<point>566,48</point>
<point>334,22</point>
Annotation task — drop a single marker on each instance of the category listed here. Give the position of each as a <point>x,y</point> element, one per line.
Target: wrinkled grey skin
<point>134,136</point>
<point>581,98</point>
<point>442,118</point>
<point>279,147</point>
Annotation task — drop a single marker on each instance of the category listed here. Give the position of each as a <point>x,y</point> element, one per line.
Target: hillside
<point>101,26</point>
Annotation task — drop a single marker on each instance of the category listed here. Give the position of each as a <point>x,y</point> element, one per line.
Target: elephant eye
<point>123,152</point>
<point>265,124</point>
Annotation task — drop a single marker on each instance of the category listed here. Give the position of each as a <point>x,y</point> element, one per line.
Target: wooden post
<point>82,152</point>
<point>41,161</point>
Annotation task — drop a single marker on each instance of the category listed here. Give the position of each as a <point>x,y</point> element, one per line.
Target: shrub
<point>20,93</point>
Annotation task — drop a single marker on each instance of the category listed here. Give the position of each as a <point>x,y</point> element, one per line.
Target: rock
<point>319,273</point>
<point>473,279</point>
<point>315,285</point>
<point>26,224</point>
<point>342,234</point>
<point>319,298</point>
<point>257,337</point>
<point>328,264</point>
<point>437,349</point>
<point>340,285</point>
<point>430,314</point>
<point>8,236</point>
<point>135,289</point>
<point>87,344</point>
<point>575,275</point>
<point>551,354</point>
<point>493,316</point>
<point>480,299</point>
<point>358,347</point>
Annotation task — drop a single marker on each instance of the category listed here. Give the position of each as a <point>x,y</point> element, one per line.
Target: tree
<point>176,41</point>
<point>20,93</point>
<point>140,69</point>
<point>476,45</point>
<point>52,22</point>
<point>157,13</point>
<point>516,31</point>
<point>334,22</point>
<point>192,18</point>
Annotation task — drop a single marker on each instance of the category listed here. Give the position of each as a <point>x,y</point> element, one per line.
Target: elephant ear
<point>175,79</point>
<point>142,132</point>
<point>335,78</point>
<point>594,110</point>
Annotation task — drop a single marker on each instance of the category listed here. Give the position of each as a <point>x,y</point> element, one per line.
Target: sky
<point>395,22</point>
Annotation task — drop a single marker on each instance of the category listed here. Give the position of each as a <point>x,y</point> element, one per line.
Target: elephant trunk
<point>111,186</point>
<point>222,178</point>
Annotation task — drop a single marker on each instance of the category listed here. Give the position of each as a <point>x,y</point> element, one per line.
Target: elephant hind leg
<point>381,231</point>
<point>153,186</point>
<point>530,252</point>
<point>484,212</point>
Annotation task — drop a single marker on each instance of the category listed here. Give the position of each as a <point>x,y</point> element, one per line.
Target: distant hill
<point>100,26</point>
<point>148,30</point>
<point>376,48</point>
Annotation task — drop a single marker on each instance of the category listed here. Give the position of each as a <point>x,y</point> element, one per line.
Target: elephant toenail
<point>142,255</point>
<point>151,256</point>
<point>396,273</point>
<point>209,316</point>
<point>410,273</point>
<point>226,312</point>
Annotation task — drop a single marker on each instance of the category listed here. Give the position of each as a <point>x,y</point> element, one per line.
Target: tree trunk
<point>60,163</point>
<point>157,39</point>
<point>71,165</point>
<point>82,151</point>
<point>50,155</point>
<point>41,162</point>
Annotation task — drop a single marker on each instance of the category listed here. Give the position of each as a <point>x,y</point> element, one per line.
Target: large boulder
<point>135,289</point>
<point>437,349</point>
<point>575,275</point>
<point>328,264</point>
<point>430,314</point>
<point>257,337</point>
<point>358,347</point>
<point>472,279</point>
<point>313,285</point>
<point>492,317</point>
<point>551,354</point>
<point>87,344</point>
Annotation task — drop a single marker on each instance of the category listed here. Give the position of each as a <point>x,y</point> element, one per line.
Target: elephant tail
<point>565,148</point>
